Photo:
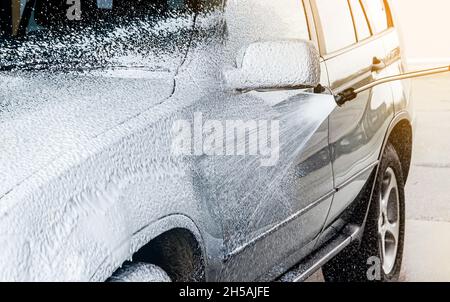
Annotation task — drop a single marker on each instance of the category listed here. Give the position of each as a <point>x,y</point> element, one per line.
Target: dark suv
<point>200,140</point>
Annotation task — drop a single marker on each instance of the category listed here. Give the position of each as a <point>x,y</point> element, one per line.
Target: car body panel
<point>397,64</point>
<point>87,202</point>
<point>39,122</point>
<point>254,215</point>
<point>357,129</point>
<point>124,178</point>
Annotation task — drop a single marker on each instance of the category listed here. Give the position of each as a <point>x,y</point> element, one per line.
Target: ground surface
<point>427,245</point>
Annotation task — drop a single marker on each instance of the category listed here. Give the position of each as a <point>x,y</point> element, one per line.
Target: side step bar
<point>311,264</point>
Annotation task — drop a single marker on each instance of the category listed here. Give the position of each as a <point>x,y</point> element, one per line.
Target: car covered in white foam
<point>197,140</point>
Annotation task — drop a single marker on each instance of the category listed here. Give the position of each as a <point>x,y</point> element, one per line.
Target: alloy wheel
<point>389,221</point>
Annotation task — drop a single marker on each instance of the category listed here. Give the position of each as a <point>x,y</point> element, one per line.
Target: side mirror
<point>286,64</point>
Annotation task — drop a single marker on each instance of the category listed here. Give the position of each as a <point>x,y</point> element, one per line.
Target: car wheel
<point>379,256</point>
<point>140,272</point>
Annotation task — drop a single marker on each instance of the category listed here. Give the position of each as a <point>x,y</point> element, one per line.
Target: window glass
<point>377,14</point>
<point>362,27</point>
<point>291,17</point>
<point>89,34</point>
<point>253,20</point>
<point>337,24</point>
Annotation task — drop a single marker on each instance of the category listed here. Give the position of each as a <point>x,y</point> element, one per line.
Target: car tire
<point>140,272</point>
<point>379,256</point>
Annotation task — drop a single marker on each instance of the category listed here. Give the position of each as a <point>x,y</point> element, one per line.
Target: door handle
<point>377,64</point>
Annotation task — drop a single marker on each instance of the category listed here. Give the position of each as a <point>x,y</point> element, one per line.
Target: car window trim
<point>355,29</point>
<point>319,30</point>
<point>312,28</point>
<point>303,6</point>
<point>366,17</point>
<point>389,17</point>
<point>326,56</point>
<point>358,44</point>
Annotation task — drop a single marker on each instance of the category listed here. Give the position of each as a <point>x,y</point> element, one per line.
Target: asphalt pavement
<point>427,239</point>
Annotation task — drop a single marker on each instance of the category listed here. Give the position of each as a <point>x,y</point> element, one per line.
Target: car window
<point>74,35</point>
<point>336,22</point>
<point>254,20</point>
<point>360,19</point>
<point>57,13</point>
<point>291,18</point>
<point>377,14</point>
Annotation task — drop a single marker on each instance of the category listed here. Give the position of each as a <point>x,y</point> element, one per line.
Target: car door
<point>395,62</point>
<point>270,216</point>
<point>355,55</point>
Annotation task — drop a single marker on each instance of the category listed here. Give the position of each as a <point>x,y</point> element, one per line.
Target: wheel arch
<point>178,252</point>
<point>176,231</point>
<point>168,241</point>
<point>400,135</point>
<point>399,129</point>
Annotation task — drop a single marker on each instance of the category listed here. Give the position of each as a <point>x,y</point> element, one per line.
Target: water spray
<point>351,93</point>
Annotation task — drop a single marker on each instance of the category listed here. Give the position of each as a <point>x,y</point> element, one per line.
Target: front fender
<point>89,210</point>
<point>177,221</point>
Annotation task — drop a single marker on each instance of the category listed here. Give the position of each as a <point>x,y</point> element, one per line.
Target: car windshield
<point>91,34</point>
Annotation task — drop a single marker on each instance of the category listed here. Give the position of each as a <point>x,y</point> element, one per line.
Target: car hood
<point>44,115</point>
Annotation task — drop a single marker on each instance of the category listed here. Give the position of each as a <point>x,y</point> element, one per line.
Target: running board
<point>313,263</point>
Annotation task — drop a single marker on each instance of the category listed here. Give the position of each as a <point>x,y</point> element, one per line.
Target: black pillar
<point>5,18</point>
